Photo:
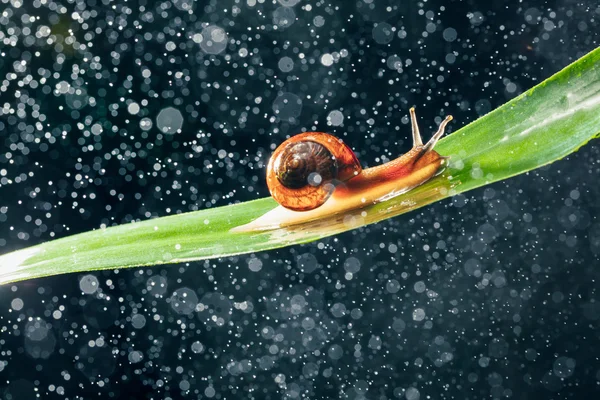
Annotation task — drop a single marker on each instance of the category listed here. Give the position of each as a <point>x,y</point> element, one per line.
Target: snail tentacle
<point>437,136</point>
<point>417,141</point>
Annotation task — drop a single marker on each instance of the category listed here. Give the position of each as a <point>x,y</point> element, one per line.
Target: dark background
<point>492,294</point>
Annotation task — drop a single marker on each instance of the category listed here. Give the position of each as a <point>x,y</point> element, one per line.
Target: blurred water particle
<point>138,321</point>
<point>169,120</point>
<point>214,309</point>
<point>307,263</point>
<point>288,3</point>
<point>183,300</point>
<point>135,356</point>
<point>212,40</point>
<point>286,64</point>
<point>197,347</point>
<point>88,284</point>
<point>450,34</point>
<point>284,17</point>
<point>17,304</point>
<point>412,394</point>
<point>157,286</point>
<point>383,33</point>
<point>287,106</point>
<point>335,118</point>
<point>335,352</point>
<point>254,264</point>
<point>564,367</point>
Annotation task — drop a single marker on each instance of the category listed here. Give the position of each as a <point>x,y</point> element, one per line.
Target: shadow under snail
<point>314,174</point>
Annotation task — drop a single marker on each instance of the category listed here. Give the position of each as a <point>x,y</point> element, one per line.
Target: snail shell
<point>305,169</point>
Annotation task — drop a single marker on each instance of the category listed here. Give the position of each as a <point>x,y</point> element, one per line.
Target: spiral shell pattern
<point>306,163</point>
<point>304,170</point>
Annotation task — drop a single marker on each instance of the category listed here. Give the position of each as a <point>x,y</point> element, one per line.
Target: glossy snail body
<point>314,174</point>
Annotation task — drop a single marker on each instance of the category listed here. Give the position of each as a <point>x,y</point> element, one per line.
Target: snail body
<point>313,175</point>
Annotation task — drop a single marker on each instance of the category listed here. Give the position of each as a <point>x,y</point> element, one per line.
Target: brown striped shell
<point>304,170</point>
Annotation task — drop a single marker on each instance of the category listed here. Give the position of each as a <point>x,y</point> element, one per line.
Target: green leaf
<point>540,126</point>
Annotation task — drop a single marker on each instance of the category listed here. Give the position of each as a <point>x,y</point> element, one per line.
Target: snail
<point>314,174</point>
